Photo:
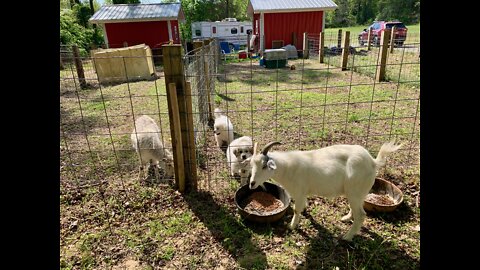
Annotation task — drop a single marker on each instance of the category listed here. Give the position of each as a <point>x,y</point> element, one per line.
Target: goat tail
<point>385,150</point>
<point>218,112</point>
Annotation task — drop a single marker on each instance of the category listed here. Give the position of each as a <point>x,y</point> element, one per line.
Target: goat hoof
<point>347,238</point>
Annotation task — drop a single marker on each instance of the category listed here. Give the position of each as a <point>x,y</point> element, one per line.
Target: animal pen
<point>364,95</point>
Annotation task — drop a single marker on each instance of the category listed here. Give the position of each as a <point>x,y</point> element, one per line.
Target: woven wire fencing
<point>365,59</point>
<point>307,105</point>
<point>97,118</point>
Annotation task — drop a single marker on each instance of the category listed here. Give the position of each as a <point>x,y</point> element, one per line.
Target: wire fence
<point>304,105</point>
<point>96,120</point>
<point>365,59</point>
<point>308,104</point>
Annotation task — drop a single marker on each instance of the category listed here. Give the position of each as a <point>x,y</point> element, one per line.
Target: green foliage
<point>210,10</point>
<point>115,2</point>
<point>361,12</point>
<point>407,11</point>
<point>73,32</point>
<point>82,13</point>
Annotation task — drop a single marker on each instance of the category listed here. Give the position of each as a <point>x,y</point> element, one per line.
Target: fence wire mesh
<point>97,119</point>
<point>305,105</point>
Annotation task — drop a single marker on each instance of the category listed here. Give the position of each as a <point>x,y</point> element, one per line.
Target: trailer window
<point>233,30</point>
<point>214,29</point>
<point>241,29</point>
<point>198,32</point>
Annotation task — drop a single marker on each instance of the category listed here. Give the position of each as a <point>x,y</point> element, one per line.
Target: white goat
<point>337,170</point>
<point>146,142</point>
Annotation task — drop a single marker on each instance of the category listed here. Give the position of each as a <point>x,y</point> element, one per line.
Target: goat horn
<point>255,147</point>
<point>268,146</point>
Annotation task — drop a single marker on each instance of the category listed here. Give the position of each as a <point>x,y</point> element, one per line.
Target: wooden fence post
<point>321,44</point>
<point>174,73</point>
<point>79,66</point>
<point>175,129</point>
<point>339,41</point>
<point>392,39</point>
<point>380,76</point>
<point>191,136</point>
<point>369,39</point>
<point>345,50</point>
<point>305,46</point>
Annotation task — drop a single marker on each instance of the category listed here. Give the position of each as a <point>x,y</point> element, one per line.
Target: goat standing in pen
<point>347,170</point>
<point>146,142</point>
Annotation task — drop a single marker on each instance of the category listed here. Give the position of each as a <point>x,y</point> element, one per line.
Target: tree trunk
<point>93,12</point>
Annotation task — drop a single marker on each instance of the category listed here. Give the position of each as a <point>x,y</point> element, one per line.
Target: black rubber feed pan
<point>278,192</point>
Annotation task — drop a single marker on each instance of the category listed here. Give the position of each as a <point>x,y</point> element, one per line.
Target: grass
<point>413,34</point>
<point>106,226</point>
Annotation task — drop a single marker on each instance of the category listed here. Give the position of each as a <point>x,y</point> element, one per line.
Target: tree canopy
<point>74,26</point>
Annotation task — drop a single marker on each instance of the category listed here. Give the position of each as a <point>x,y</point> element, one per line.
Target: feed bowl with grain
<point>384,196</point>
<point>261,205</point>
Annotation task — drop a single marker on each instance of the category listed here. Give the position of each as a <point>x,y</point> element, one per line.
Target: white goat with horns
<point>337,170</point>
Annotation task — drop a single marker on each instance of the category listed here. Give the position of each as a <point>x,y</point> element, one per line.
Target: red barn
<point>282,21</point>
<point>152,24</point>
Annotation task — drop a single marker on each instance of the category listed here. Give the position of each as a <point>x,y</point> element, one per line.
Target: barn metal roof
<point>138,12</point>
<point>257,6</point>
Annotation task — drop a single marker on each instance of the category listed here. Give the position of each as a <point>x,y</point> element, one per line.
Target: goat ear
<point>235,151</point>
<point>271,164</point>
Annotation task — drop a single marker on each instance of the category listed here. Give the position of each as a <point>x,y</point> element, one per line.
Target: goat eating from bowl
<point>337,170</point>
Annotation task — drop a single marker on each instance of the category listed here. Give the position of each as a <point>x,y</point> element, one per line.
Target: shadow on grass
<point>277,228</point>
<point>231,233</point>
<point>402,213</point>
<point>224,97</point>
<point>374,252</point>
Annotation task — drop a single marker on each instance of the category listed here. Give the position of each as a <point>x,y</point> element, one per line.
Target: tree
<point>75,29</point>
<point>407,11</point>
<point>341,16</point>
<point>115,2</point>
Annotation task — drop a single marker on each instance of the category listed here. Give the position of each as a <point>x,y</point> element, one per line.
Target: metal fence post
<point>206,44</point>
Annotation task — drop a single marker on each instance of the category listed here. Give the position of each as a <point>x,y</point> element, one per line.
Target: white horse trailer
<point>228,29</point>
